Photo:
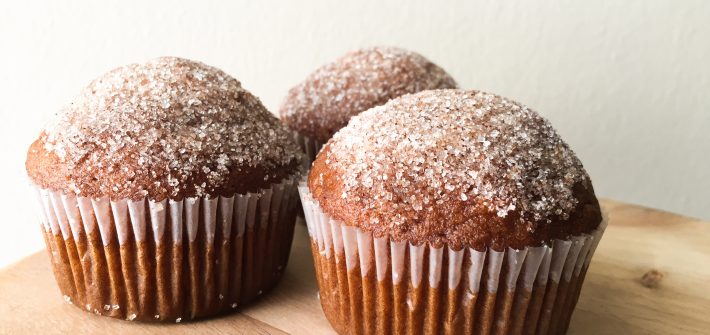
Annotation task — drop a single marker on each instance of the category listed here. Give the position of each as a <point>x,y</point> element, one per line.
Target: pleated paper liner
<point>310,146</point>
<point>370,285</point>
<point>169,260</point>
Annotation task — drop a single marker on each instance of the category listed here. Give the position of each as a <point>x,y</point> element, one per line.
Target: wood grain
<point>613,301</point>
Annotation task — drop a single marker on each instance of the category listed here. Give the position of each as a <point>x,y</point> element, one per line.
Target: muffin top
<point>168,128</point>
<point>353,83</point>
<point>455,167</point>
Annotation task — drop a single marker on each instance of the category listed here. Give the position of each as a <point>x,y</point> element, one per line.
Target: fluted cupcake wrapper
<point>310,146</point>
<point>371,285</point>
<point>168,260</point>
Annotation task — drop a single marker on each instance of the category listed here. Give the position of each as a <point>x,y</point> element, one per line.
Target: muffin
<point>322,104</point>
<point>450,212</point>
<point>167,193</point>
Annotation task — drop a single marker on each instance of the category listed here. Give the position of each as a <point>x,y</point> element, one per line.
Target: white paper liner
<point>268,215</point>
<point>524,268</point>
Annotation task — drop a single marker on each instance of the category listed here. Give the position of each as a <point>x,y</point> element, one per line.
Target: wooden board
<point>614,299</point>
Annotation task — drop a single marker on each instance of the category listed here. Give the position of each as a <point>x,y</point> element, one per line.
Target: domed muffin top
<point>355,82</point>
<point>466,168</point>
<point>168,128</point>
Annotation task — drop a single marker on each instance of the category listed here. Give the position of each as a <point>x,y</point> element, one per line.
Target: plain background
<point>626,83</point>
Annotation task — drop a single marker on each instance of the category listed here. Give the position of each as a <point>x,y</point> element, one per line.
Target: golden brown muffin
<point>326,100</point>
<point>450,211</point>
<point>170,128</point>
<point>464,168</point>
<point>167,193</point>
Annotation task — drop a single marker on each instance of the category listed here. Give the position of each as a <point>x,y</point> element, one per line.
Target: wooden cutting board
<point>615,298</point>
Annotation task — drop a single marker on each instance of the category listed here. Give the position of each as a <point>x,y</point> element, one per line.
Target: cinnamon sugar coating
<point>167,128</point>
<point>455,167</point>
<point>355,82</point>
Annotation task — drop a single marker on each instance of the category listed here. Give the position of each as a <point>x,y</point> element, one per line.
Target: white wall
<point>627,83</point>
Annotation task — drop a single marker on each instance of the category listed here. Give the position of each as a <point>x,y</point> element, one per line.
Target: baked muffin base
<point>371,285</point>
<point>171,260</point>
